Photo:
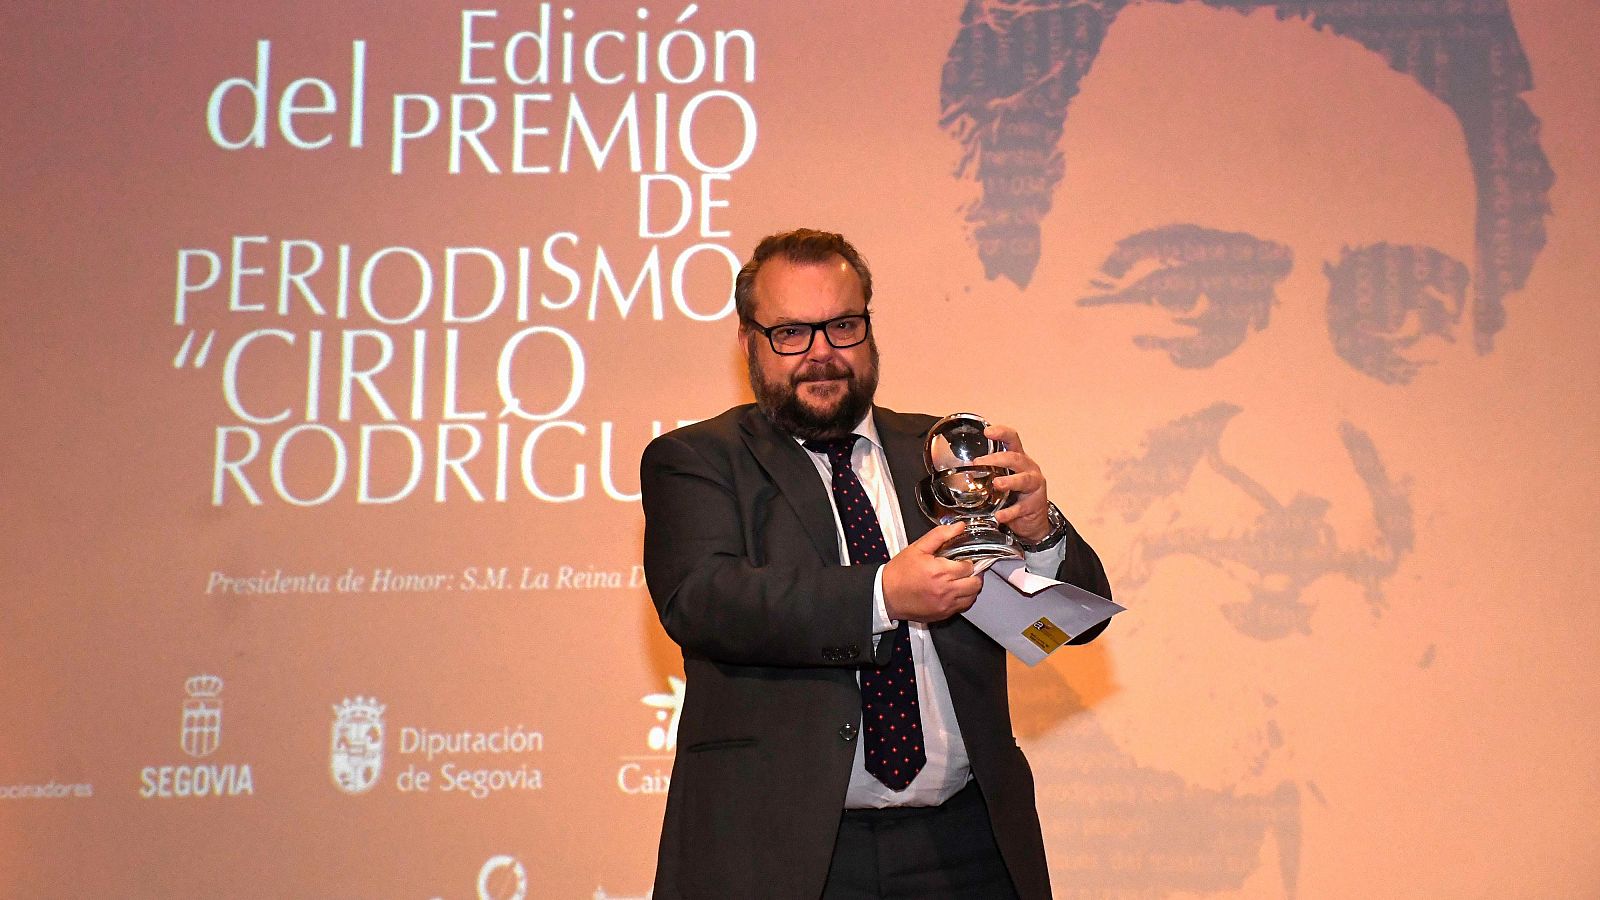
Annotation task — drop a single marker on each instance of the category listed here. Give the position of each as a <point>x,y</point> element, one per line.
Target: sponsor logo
<point>202,716</point>
<point>669,706</point>
<point>651,773</point>
<point>200,736</point>
<point>503,878</point>
<point>477,763</point>
<point>356,757</point>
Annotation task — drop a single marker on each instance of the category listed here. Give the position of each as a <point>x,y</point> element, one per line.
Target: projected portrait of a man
<point>1284,220</point>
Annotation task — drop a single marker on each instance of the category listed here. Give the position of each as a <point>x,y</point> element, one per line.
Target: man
<point>1283,228</point>
<point>798,609</point>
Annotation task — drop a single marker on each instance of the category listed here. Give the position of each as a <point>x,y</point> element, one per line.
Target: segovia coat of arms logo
<point>202,716</point>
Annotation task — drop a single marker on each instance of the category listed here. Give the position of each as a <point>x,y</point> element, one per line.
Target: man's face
<point>1264,271</point>
<point>824,391</point>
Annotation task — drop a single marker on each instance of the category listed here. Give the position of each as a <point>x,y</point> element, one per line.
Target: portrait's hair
<point>802,245</point>
<point>1016,65</point>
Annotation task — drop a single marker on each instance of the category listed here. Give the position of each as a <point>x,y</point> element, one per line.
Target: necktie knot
<point>838,449</point>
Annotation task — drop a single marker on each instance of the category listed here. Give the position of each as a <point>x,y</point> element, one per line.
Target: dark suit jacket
<point>741,556</point>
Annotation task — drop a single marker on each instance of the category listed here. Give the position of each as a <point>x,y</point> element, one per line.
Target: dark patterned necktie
<point>891,720</point>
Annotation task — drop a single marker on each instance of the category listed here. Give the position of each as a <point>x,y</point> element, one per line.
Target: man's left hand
<point>1027,517</point>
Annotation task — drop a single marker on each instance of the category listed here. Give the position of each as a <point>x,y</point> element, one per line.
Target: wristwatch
<point>1058,530</point>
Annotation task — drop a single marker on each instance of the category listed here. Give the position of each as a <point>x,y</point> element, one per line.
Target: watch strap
<point>1058,530</point>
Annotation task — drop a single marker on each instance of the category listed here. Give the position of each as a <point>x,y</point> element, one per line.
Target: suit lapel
<point>791,469</point>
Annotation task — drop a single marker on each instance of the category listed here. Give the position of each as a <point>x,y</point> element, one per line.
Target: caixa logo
<point>650,773</point>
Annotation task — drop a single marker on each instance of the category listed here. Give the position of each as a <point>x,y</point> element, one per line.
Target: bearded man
<point>844,733</point>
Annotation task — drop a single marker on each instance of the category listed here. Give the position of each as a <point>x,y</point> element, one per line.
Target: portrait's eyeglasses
<point>794,338</point>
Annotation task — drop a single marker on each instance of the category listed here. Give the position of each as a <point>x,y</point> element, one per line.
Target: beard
<point>780,400</point>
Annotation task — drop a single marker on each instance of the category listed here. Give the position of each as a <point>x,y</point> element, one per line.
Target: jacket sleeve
<point>1081,567</point>
<point>721,587</point>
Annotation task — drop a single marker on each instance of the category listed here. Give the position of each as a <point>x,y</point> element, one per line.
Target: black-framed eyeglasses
<point>795,338</point>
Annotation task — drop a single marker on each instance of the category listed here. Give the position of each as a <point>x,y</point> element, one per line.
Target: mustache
<point>822,372</point>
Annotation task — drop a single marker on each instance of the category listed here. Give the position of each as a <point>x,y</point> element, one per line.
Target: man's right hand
<point>921,586</point>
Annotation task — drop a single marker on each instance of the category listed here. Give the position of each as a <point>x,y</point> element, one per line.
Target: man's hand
<point>1027,517</point>
<point>923,587</point>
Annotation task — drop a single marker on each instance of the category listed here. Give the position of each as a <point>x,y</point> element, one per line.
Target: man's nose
<point>1288,438</point>
<point>821,350</point>
<point>1283,477</point>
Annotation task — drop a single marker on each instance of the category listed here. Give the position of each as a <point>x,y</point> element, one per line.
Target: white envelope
<point>1031,615</point>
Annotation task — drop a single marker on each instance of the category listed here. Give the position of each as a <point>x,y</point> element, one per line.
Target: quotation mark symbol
<point>199,356</point>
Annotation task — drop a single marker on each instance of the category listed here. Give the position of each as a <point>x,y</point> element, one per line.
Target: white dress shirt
<point>946,770</point>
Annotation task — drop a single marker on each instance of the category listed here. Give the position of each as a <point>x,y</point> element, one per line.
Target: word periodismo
<point>401,285</point>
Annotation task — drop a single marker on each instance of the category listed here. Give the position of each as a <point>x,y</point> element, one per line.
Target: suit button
<point>847,731</point>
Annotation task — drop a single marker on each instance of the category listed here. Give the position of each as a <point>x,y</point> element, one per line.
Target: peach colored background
<point>1442,748</point>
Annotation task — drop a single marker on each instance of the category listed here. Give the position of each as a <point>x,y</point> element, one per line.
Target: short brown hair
<point>802,245</point>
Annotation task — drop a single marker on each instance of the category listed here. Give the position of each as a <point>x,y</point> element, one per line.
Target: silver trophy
<point>957,490</point>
